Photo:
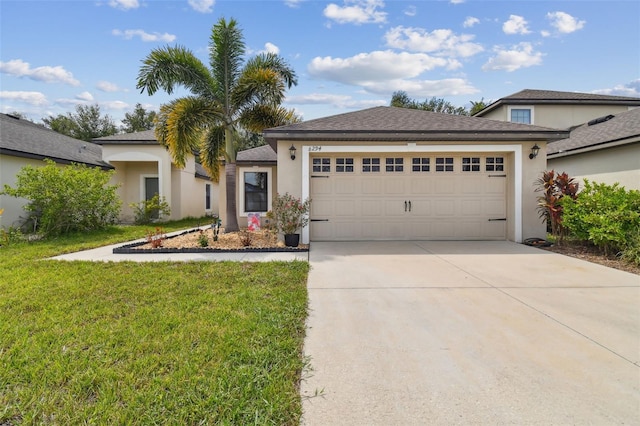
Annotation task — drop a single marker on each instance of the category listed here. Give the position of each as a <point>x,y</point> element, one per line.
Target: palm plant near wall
<point>232,94</point>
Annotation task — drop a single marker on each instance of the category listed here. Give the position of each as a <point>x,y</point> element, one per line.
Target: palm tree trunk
<point>232,209</point>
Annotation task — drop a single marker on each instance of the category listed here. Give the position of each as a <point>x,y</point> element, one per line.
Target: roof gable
<point>619,129</point>
<point>22,138</point>
<point>553,97</point>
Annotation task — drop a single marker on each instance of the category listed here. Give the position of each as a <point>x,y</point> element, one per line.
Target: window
<point>321,165</point>
<point>444,164</point>
<point>344,165</point>
<point>521,115</point>
<point>420,164</point>
<point>470,164</point>
<point>370,165</point>
<point>255,184</point>
<point>495,164</point>
<point>394,164</point>
<point>207,196</point>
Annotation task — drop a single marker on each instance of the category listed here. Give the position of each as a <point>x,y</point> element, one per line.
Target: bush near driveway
<point>142,343</point>
<point>608,216</point>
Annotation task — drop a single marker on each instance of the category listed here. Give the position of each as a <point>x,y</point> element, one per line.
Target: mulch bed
<point>232,242</point>
<point>592,254</point>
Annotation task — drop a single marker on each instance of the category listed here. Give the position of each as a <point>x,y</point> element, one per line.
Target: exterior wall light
<point>292,152</point>
<point>534,151</point>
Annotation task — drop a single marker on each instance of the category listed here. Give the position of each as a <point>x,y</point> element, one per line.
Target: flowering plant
<point>289,213</point>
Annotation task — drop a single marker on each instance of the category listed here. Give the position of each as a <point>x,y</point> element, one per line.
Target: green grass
<point>148,343</point>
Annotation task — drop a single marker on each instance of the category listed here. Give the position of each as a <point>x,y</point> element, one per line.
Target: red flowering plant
<point>289,213</point>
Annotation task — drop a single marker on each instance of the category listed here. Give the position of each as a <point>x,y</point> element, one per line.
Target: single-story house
<point>390,173</point>
<point>144,168</point>
<point>25,143</point>
<point>554,109</point>
<point>605,149</point>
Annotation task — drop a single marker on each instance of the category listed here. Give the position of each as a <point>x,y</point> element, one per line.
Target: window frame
<point>241,193</point>
<point>521,107</point>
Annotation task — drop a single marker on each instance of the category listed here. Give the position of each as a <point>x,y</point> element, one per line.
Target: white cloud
<point>357,12</point>
<point>144,36</point>
<point>631,89</point>
<point>565,23</point>
<point>424,88</point>
<point>519,56</point>
<point>47,74</point>
<point>85,96</point>
<point>456,1</point>
<point>202,6</point>
<point>515,25</point>
<point>470,22</point>
<point>31,98</point>
<point>338,101</point>
<point>107,86</point>
<point>114,105</point>
<point>124,4</point>
<point>293,3</point>
<point>439,42</point>
<point>376,66</point>
<point>271,48</point>
<point>410,11</point>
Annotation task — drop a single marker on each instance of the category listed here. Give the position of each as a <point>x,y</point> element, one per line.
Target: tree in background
<point>85,124</point>
<point>138,120</point>
<point>232,94</point>
<point>401,99</point>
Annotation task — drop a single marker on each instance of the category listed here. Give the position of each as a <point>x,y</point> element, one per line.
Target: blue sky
<point>348,54</point>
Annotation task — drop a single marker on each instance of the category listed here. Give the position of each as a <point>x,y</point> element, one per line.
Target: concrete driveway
<point>445,333</point>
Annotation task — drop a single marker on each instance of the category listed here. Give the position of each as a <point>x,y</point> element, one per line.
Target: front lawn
<point>148,343</point>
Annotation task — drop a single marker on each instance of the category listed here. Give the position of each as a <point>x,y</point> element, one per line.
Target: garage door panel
<point>448,205</point>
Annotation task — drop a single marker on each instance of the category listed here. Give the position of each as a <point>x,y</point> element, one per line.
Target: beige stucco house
<point>604,143</point>
<point>144,167</point>
<point>390,173</point>
<point>25,143</point>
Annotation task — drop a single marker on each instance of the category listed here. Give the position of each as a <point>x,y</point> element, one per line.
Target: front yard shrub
<point>606,215</point>
<point>147,211</point>
<point>554,187</point>
<point>66,199</point>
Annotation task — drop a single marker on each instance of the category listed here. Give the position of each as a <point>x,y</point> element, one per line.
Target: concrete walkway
<point>459,333</point>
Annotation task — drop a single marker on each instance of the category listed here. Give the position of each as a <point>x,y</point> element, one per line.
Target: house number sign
<point>315,148</point>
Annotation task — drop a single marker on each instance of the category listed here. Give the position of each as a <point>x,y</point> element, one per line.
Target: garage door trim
<point>414,148</point>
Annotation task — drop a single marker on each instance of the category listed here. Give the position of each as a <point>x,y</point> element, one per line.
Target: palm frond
<point>226,57</point>
<point>276,63</point>
<point>185,122</point>
<point>258,86</point>
<point>168,67</point>
<point>264,116</point>
<point>212,150</point>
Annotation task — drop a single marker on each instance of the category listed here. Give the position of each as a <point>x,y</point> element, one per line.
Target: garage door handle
<point>319,220</point>
<point>405,206</point>
<point>409,205</point>
<point>496,220</point>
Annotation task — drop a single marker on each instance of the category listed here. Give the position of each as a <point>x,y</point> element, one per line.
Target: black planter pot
<point>291,240</point>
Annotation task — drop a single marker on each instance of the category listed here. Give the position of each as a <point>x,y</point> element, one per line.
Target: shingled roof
<point>619,129</point>
<point>260,155</point>
<point>22,138</point>
<point>552,97</point>
<point>402,124</point>
<point>146,137</point>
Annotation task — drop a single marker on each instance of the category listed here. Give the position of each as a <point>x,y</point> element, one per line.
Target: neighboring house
<point>25,143</point>
<point>144,168</point>
<point>558,110</point>
<point>390,173</point>
<point>605,150</point>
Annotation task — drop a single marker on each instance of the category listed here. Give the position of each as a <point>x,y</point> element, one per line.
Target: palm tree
<point>232,94</point>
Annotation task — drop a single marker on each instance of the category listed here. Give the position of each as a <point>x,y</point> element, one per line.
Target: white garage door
<point>408,197</point>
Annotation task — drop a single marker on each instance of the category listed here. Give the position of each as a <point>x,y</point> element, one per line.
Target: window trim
<point>208,192</point>
<point>242,171</point>
<point>517,107</point>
